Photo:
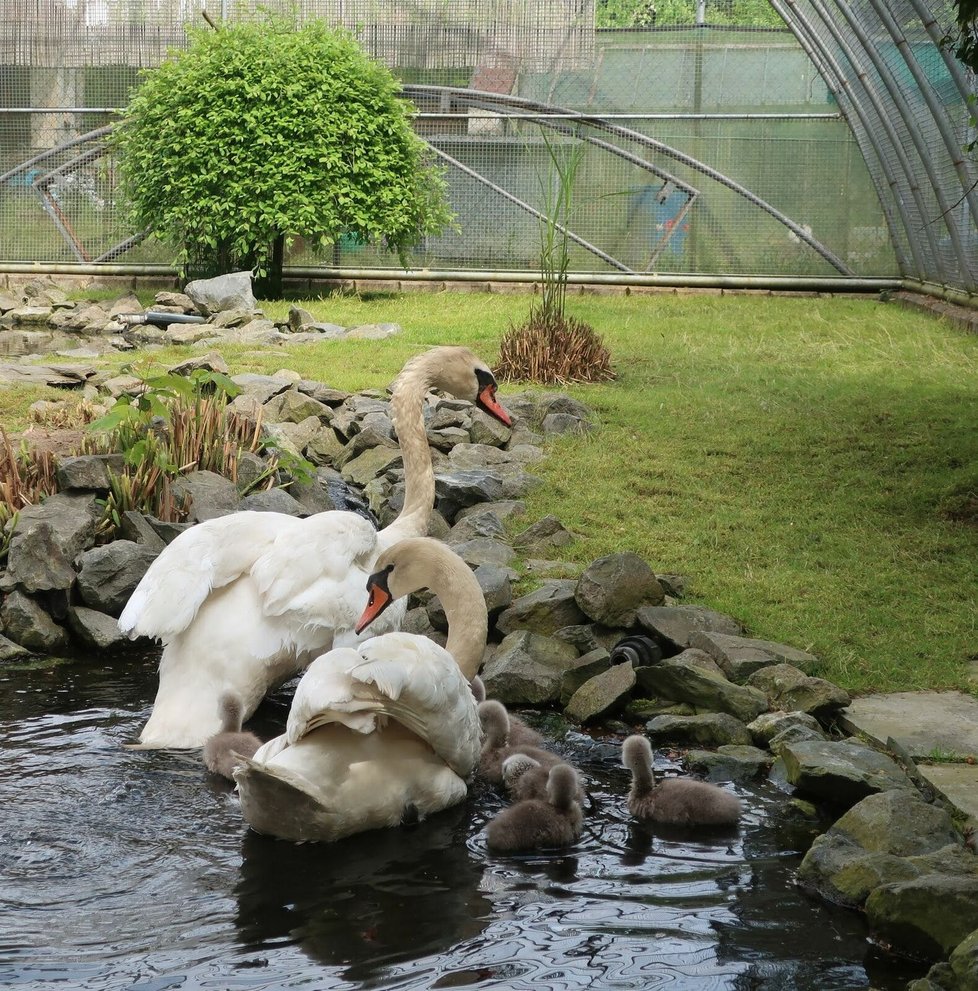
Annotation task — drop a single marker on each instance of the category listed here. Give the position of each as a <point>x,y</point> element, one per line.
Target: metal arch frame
<point>927,92</point>
<point>895,93</point>
<point>860,135</point>
<point>501,102</point>
<point>827,62</point>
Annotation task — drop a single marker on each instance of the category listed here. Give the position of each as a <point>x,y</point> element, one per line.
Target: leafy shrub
<point>639,13</point>
<point>261,131</point>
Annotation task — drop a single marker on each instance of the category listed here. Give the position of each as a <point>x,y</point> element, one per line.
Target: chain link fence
<point>833,148</point>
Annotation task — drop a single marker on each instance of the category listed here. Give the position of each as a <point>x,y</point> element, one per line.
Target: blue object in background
<point>663,205</point>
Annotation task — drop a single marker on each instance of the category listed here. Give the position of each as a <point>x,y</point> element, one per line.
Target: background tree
<point>262,131</point>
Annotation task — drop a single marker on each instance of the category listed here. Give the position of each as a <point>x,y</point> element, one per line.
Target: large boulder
<point>708,729</point>
<point>788,688</point>
<point>211,495</point>
<point>674,626</point>
<point>527,668</point>
<point>614,588</point>
<point>603,695</point>
<point>868,845</point>
<point>682,679</point>
<point>107,575</point>
<point>25,622</point>
<point>740,657</point>
<point>545,610</point>
<point>225,292</point>
<point>841,772</point>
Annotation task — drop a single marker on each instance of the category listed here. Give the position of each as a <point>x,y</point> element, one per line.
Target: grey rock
<point>293,406</point>
<point>447,438</point>
<point>25,622</point>
<point>488,430</point>
<point>527,668</point>
<point>582,669</point>
<point>545,534</point>
<point>484,550</point>
<point>730,762</point>
<point>474,457</point>
<point>235,317</point>
<point>364,441</point>
<point>260,387</point>
<point>107,575</point>
<point>225,292</point>
<point>564,423</point>
<point>10,651</point>
<point>683,679</point>
<point>177,301</point>
<point>793,734</point>
<point>325,448</point>
<point>676,625</point>
<point>135,527</point>
<point>516,484</point>
<point>603,695</point>
<point>460,489</point>
<point>95,630</point>
<point>841,772</point>
<point>373,331</point>
<point>927,916</point>
<point>373,462</point>
<point>544,611</point>
<point>711,729</point>
<point>47,537</point>
<point>503,509</point>
<point>740,657</point>
<point>211,495</point>
<point>788,688</point>
<point>614,588</point>
<point>769,724</point>
<point>87,472</point>
<point>964,962</point>
<point>586,637</point>
<point>477,525</point>
<point>272,501</point>
<point>379,422</point>
<point>327,490</point>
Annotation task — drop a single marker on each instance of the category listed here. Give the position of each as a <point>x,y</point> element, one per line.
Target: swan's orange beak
<point>487,400</point>
<point>379,600</point>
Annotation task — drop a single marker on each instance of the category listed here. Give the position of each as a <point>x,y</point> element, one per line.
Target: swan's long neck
<point>465,609</point>
<point>407,414</point>
<point>643,775</point>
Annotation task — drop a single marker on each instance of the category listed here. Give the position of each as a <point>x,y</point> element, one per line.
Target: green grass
<point>795,457</point>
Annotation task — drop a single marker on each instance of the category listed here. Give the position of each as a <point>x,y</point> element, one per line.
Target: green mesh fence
<point>733,146</point>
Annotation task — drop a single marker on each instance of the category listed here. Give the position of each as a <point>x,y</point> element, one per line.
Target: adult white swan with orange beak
<point>384,732</point>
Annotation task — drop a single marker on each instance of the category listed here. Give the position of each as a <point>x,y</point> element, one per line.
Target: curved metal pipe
<point>497,100</point>
<point>849,98</point>
<point>859,134</point>
<point>938,112</point>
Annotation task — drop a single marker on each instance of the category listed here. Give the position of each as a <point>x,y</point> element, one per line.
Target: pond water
<point>124,869</point>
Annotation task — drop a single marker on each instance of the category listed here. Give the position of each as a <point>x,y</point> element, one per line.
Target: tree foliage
<point>264,130</point>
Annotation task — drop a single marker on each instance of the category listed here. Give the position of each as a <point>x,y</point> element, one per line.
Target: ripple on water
<point>124,869</point>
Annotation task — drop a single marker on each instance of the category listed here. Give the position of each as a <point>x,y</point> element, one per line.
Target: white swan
<point>383,732</point>
<point>245,601</point>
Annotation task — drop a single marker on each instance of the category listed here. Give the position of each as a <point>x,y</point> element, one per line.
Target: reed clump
<point>555,349</point>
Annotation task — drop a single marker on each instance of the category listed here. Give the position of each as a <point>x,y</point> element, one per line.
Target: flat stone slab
<point>918,721</point>
<point>958,783</point>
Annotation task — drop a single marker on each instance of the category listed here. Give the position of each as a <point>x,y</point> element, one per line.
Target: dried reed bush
<point>553,348</point>
<point>65,413</point>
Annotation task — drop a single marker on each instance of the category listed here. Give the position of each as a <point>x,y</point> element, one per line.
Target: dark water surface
<point>124,869</point>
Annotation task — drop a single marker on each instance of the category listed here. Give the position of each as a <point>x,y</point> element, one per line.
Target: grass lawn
<point>799,459</point>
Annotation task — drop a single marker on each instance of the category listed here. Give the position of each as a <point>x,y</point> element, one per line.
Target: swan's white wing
<point>204,557</point>
<point>326,694</point>
<point>317,574</point>
<point>419,684</point>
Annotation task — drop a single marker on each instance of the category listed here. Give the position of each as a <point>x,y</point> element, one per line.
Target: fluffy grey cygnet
<point>222,751</point>
<point>554,822</point>
<point>503,735</point>
<point>525,777</point>
<point>676,801</point>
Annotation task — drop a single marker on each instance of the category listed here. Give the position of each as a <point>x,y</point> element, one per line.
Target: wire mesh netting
<point>833,147</point>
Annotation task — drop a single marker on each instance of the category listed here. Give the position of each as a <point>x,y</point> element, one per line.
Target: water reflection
<point>367,902</point>
<point>124,869</point>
